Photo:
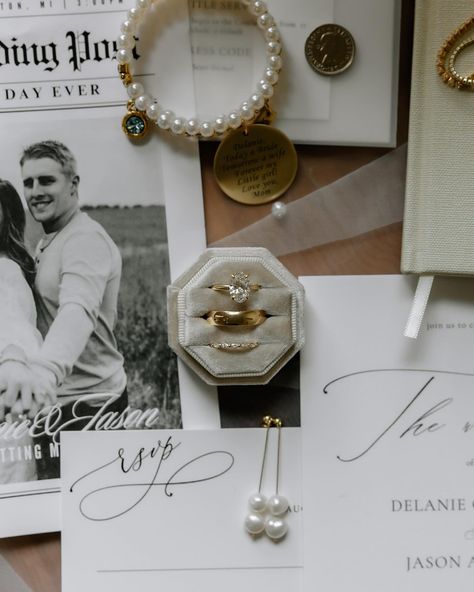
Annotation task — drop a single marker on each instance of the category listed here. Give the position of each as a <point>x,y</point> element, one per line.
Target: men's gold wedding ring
<point>239,288</point>
<point>236,318</point>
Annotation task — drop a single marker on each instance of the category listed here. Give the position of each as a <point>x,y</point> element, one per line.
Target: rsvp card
<point>388,436</point>
<point>165,510</point>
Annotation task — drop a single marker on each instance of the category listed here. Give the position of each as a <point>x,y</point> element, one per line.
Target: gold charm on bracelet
<point>256,164</point>
<point>134,123</point>
<point>236,318</point>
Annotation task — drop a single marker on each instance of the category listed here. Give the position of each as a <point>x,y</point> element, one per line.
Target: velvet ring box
<point>236,354</point>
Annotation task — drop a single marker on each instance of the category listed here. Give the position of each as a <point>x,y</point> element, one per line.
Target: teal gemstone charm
<point>135,124</point>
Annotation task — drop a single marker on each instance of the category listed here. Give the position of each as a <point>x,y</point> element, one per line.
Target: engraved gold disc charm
<point>330,49</point>
<point>255,166</point>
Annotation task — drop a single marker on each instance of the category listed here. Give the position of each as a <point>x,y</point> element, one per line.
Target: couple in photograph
<point>58,310</point>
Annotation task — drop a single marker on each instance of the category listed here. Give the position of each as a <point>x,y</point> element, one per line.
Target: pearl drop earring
<point>274,525</point>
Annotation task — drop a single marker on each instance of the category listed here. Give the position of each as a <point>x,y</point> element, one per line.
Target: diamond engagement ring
<point>239,289</point>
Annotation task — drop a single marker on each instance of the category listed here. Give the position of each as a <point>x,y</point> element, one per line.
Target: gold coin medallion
<point>255,166</point>
<point>330,49</point>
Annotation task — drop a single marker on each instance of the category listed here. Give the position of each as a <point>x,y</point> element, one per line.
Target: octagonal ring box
<point>191,297</point>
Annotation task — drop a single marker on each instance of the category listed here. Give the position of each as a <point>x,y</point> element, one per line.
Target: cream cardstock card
<point>388,436</point>
<point>165,510</point>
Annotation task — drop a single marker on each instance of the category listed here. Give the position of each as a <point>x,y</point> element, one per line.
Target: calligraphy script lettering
<point>49,421</point>
<point>423,424</point>
<point>157,459</point>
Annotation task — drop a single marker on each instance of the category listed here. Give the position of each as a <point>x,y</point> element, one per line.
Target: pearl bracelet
<point>142,108</point>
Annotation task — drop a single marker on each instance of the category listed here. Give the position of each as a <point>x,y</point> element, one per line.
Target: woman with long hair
<point>19,338</point>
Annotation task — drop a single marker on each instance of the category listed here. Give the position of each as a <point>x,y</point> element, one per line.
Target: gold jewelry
<point>236,318</point>
<point>144,109</point>
<point>239,289</point>
<point>234,347</point>
<point>448,53</point>
<point>255,163</point>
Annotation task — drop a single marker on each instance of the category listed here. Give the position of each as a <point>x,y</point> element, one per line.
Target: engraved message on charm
<point>255,166</point>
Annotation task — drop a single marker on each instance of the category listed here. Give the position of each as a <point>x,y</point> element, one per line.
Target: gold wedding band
<point>234,347</point>
<point>240,287</point>
<point>236,318</point>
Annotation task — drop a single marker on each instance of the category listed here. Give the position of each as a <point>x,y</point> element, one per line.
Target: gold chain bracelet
<point>448,53</point>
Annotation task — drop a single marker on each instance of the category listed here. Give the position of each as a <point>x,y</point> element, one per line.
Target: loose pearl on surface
<point>277,504</point>
<point>258,502</point>
<point>276,528</point>
<point>279,210</point>
<point>254,523</point>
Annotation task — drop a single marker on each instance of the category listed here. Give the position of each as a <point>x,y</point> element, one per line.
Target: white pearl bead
<point>265,88</point>
<point>192,127</point>
<point>270,75</point>
<point>277,504</point>
<point>257,101</point>
<point>142,4</point>
<point>254,523</point>
<point>143,101</point>
<point>128,27</point>
<point>124,56</point>
<point>275,62</point>
<point>234,120</point>
<point>164,119</point>
<point>125,41</point>
<point>276,528</point>
<point>272,34</point>
<point>206,129</point>
<point>273,48</point>
<point>220,124</point>
<point>177,126</point>
<point>246,112</point>
<point>135,89</point>
<point>152,111</point>
<point>258,502</point>
<point>265,20</point>
<point>134,15</point>
<point>257,7</point>
<point>279,210</point>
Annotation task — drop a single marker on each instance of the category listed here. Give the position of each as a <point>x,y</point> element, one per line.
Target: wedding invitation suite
<point>388,436</point>
<point>165,510</point>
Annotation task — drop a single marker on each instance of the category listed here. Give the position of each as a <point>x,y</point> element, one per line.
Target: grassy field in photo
<point>141,330</point>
